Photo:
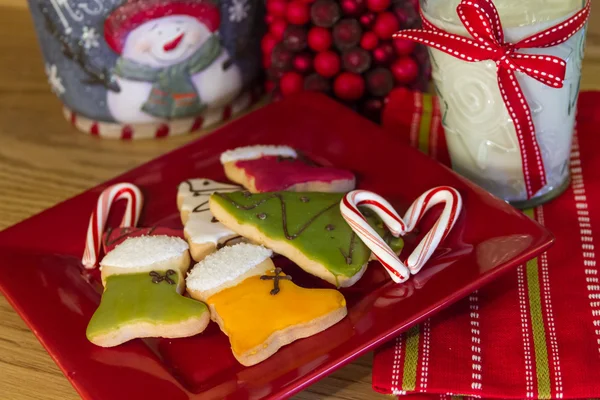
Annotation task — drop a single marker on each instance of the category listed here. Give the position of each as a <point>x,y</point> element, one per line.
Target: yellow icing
<point>250,314</point>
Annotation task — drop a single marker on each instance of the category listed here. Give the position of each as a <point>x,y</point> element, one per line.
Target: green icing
<point>133,298</point>
<point>314,223</point>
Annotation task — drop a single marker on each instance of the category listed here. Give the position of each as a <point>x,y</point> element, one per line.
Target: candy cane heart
<point>399,226</point>
<point>384,253</point>
<point>127,191</point>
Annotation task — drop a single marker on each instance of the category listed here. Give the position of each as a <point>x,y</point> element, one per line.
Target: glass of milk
<point>480,133</point>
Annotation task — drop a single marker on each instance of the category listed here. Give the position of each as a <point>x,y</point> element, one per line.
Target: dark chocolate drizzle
<point>275,278</point>
<point>286,232</point>
<point>199,192</point>
<point>348,255</point>
<point>214,220</point>
<point>226,243</point>
<point>330,227</point>
<point>158,278</point>
<point>261,216</point>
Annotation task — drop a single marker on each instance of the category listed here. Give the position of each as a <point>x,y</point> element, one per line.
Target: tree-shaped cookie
<point>263,169</point>
<point>257,305</point>
<point>307,228</point>
<point>143,281</point>
<point>203,232</point>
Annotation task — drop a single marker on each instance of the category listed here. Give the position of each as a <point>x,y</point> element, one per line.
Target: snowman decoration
<point>171,61</point>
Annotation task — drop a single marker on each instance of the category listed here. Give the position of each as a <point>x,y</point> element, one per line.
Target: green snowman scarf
<point>173,94</point>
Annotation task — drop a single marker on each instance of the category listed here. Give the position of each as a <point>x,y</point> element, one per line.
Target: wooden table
<point>43,161</point>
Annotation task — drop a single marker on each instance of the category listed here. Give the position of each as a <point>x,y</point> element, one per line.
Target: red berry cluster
<point>344,47</point>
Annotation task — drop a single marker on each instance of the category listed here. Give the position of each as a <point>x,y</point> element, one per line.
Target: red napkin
<point>533,333</point>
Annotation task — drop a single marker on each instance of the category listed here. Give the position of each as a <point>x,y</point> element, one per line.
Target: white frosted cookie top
<point>254,152</point>
<point>201,229</point>
<point>226,265</point>
<point>144,251</point>
<point>194,193</point>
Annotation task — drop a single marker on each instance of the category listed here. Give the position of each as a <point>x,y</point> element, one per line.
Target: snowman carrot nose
<point>172,45</point>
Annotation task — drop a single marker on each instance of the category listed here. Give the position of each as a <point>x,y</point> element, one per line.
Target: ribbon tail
<point>534,173</point>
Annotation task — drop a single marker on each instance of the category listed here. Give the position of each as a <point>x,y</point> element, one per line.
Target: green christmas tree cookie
<point>307,228</point>
<point>143,285</point>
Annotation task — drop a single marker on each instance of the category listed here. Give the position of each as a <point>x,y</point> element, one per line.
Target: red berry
<point>405,70</point>
<point>380,81</point>
<point>372,109</point>
<point>349,86</point>
<point>319,39</point>
<point>269,19</point>
<point>317,83</point>
<point>325,13</point>
<point>378,5</point>
<point>356,60</point>
<point>290,83</point>
<point>347,33</point>
<point>294,38</point>
<point>281,58</point>
<point>353,8</point>
<point>386,25</point>
<point>303,63</point>
<point>267,43</point>
<point>277,28</point>
<point>327,64</point>
<point>369,41</point>
<point>383,54</point>
<point>367,20</point>
<point>276,8</point>
<point>404,47</point>
<point>297,12</point>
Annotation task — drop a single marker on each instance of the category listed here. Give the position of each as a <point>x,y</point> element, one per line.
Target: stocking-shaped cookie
<point>203,232</point>
<point>143,281</point>
<point>258,306</point>
<point>307,228</point>
<point>263,169</point>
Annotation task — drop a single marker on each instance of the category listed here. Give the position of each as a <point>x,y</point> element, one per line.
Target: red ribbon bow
<point>481,19</point>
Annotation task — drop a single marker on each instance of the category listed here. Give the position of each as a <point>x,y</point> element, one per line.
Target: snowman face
<point>165,41</point>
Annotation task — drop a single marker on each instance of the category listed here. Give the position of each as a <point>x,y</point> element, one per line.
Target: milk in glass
<point>480,133</point>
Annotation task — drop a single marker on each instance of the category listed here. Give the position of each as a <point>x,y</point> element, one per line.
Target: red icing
<point>274,173</point>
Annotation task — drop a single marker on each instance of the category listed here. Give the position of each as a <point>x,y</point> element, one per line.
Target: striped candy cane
<point>398,226</point>
<point>99,216</point>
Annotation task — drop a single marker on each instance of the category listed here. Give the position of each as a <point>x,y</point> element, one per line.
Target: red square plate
<point>42,276</point>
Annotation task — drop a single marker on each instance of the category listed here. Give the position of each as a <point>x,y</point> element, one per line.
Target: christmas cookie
<point>143,281</point>
<point>203,232</point>
<point>274,168</point>
<point>257,305</point>
<point>307,228</point>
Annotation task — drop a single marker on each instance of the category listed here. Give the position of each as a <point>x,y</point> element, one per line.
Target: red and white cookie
<point>263,169</point>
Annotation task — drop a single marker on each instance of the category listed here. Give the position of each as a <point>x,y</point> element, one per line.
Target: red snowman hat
<point>134,13</point>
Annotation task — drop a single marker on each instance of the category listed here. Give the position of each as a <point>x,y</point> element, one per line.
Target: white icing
<point>195,192</point>
<point>143,251</point>
<point>254,152</point>
<point>199,227</point>
<point>226,265</point>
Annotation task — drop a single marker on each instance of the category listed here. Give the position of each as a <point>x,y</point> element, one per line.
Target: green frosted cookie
<point>143,283</point>
<point>307,228</point>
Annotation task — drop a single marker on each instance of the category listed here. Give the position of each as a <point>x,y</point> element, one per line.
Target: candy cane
<point>99,216</point>
<point>398,226</point>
